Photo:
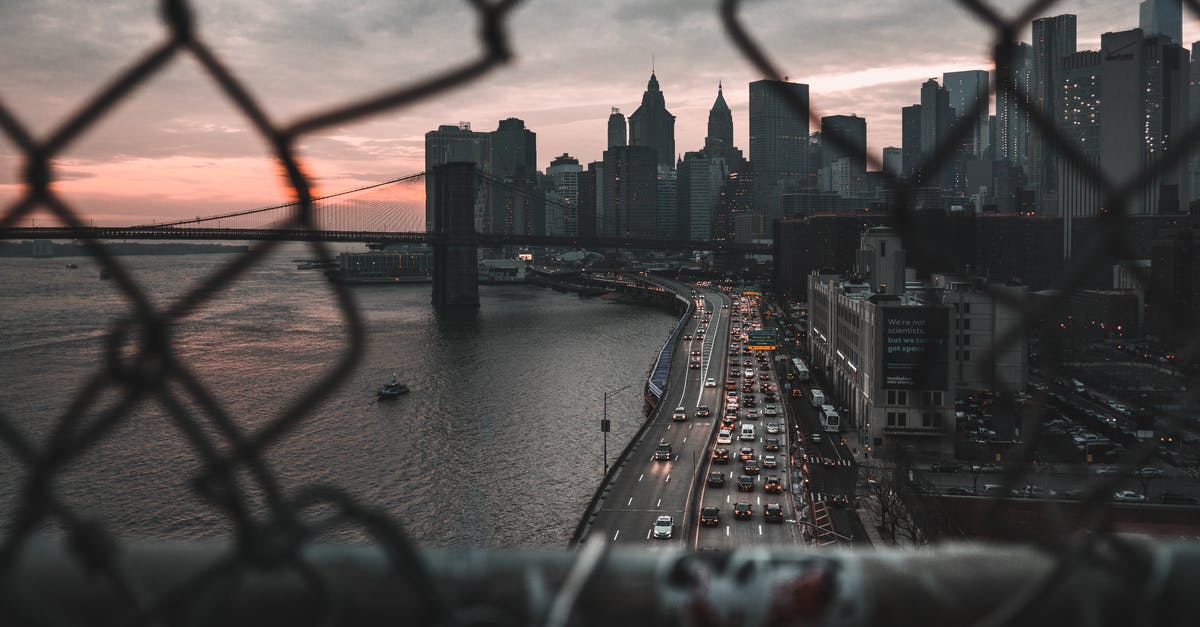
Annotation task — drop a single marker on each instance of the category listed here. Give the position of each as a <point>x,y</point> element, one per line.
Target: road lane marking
<point>630,502</point>
<point>726,529</point>
<point>685,438</point>
<point>758,499</point>
<point>760,530</point>
<point>668,479</point>
<point>726,498</point>
<point>648,532</point>
<point>640,476</point>
<point>659,503</point>
<point>616,534</point>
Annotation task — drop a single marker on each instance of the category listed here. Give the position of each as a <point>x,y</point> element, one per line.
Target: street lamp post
<point>605,425</point>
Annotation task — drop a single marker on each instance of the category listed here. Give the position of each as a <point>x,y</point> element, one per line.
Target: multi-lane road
<point>711,357</point>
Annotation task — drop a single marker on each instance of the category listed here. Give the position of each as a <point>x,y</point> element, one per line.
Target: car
<point>773,428</point>
<point>687,336</point>
<point>773,485</point>
<point>743,511</point>
<point>716,479</point>
<point>664,526</point>
<point>770,397</point>
<point>729,421</point>
<point>703,411</point>
<point>837,500</point>
<point>773,513</point>
<point>749,401</point>
<point>771,444</point>
<point>720,456</point>
<point>695,364</point>
<point>745,483</point>
<point>696,353</point>
<point>1128,496</point>
<point>724,436</point>
<point>710,516</point>
<point>943,467</point>
<point>770,411</point>
<point>1149,472</point>
<point>769,461</point>
<point>748,374</point>
<point>662,453</point>
<point>710,383</point>
<point>752,414</point>
<point>751,466</point>
<point>679,414</point>
<point>815,436</point>
<point>745,453</point>
<point>731,395</point>
<point>1107,470</point>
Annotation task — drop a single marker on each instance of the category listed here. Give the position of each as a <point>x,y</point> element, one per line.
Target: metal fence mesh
<point>271,529</point>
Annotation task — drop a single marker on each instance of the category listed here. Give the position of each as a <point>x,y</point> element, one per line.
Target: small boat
<point>71,266</point>
<point>392,389</point>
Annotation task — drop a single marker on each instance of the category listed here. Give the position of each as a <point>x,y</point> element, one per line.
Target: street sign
<point>761,340</point>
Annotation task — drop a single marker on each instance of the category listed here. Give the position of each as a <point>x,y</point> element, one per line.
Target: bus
<point>830,420</point>
<point>801,369</point>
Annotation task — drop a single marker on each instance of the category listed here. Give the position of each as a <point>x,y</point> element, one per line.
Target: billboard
<point>914,347</point>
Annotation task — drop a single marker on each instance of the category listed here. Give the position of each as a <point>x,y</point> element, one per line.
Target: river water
<point>497,445</point>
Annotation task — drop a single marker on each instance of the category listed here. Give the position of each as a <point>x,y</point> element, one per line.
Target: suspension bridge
<point>466,208</point>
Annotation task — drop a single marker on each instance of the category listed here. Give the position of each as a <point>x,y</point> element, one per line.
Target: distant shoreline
<point>25,249</point>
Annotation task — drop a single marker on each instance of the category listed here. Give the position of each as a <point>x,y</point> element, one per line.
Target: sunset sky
<point>176,147</point>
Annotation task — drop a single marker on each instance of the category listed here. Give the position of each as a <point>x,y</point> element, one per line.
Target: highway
<point>645,488</point>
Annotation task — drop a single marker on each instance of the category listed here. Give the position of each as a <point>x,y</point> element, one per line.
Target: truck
<point>817,397</point>
<point>831,421</point>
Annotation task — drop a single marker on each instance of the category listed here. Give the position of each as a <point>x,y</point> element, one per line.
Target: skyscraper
<point>1079,124</point>
<point>966,89</point>
<point>616,128</point>
<point>564,174</point>
<point>450,143</point>
<point>1013,134</point>
<point>1143,113</point>
<point>1053,39</point>
<point>720,125</point>
<point>935,128</point>
<point>630,192</point>
<point>893,161</point>
<point>516,207</point>
<point>844,137</point>
<point>910,138</point>
<point>778,136</point>
<point>1162,17</point>
<point>653,126</point>
<point>700,178</point>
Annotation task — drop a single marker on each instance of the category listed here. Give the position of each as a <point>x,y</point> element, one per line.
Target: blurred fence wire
<point>272,572</point>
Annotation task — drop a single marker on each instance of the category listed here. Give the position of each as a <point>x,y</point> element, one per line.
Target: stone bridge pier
<point>455,243</point>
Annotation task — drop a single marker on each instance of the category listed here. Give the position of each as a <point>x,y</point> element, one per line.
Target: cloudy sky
<point>177,148</point>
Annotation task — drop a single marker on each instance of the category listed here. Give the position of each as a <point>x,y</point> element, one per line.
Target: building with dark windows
<point>1174,299</point>
<point>720,125</point>
<point>893,161</point>
<point>616,129</point>
<point>844,152</point>
<point>516,205</point>
<point>1053,40</point>
<point>910,138</point>
<point>653,126</point>
<point>1144,112</point>
<point>699,182</point>
<point>936,119</point>
<point>1012,136</point>
<point>1079,125</point>
<point>630,184</point>
<point>562,210</point>
<point>778,141</point>
<point>451,143</point>
<point>1162,17</point>
<point>589,211</point>
<point>966,89</point>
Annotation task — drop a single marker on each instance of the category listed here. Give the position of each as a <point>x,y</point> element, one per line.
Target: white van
<point>817,398</point>
<point>747,433</point>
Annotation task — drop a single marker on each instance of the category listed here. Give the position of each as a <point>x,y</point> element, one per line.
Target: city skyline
<point>176,148</point>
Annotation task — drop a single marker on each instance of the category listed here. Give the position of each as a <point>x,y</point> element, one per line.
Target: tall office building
<point>966,89</point>
<point>516,206</point>
<point>630,192</point>
<point>564,174</point>
<point>844,139</point>
<point>1162,17</point>
<point>450,143</point>
<point>586,222</point>
<point>1013,120</point>
<point>1144,112</point>
<point>616,128</point>
<point>1079,124</point>
<point>893,161</point>
<point>653,126</point>
<point>514,150</point>
<point>720,124</point>
<point>1053,39</point>
<point>1194,119</point>
<point>910,138</point>
<point>778,138</point>
<point>936,118</point>
<point>700,178</point>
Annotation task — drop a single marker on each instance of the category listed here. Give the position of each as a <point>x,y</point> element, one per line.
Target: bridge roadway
<point>644,488</point>
<point>370,237</point>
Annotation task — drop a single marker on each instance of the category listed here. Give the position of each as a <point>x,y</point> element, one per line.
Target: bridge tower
<point>455,244</point>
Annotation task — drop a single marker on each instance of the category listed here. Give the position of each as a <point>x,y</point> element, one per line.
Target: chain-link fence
<point>273,573</point>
